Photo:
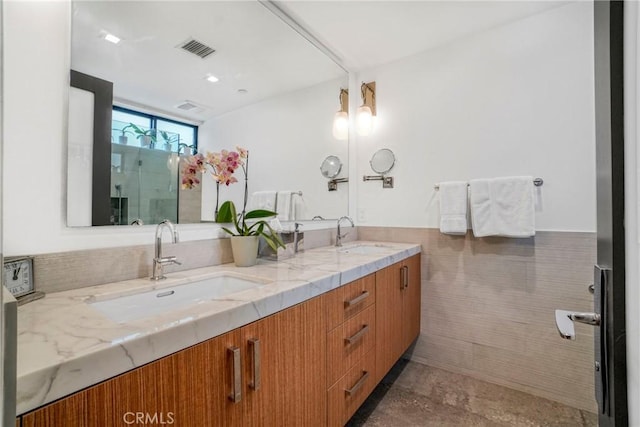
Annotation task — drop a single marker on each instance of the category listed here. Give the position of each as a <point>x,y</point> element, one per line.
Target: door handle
<point>565,319</point>
<point>587,318</point>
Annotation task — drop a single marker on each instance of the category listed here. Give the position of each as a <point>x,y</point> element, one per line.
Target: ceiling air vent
<point>190,106</point>
<point>197,48</point>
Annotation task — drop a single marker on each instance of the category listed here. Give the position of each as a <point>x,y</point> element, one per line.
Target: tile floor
<point>413,394</point>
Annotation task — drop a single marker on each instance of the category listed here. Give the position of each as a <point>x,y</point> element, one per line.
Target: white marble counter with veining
<point>65,344</point>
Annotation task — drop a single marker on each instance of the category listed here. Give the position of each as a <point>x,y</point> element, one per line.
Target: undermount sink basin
<point>364,249</point>
<point>146,304</point>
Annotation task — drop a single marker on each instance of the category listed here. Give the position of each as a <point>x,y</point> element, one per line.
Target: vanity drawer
<point>349,300</point>
<point>349,342</point>
<point>346,396</point>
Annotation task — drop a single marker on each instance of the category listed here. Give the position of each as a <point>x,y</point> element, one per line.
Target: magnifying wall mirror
<point>331,167</point>
<point>382,161</point>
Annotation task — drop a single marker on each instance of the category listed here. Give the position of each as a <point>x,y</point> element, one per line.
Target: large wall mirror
<point>198,75</point>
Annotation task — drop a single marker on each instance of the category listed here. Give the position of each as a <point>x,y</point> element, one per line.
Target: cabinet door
<point>389,318</point>
<point>411,301</point>
<point>292,355</point>
<point>190,387</point>
<point>262,405</point>
<point>303,366</point>
<point>203,383</point>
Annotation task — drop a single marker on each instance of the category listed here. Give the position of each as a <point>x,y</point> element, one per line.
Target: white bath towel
<point>284,206</point>
<point>453,207</point>
<point>502,207</point>
<point>263,200</point>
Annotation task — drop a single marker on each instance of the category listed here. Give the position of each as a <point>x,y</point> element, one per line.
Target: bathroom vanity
<point>305,346</point>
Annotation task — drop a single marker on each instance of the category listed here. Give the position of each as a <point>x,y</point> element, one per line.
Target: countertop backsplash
<point>61,271</point>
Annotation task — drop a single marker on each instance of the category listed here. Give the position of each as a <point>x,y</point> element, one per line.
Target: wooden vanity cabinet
<point>312,364</point>
<point>281,376</point>
<point>397,312</point>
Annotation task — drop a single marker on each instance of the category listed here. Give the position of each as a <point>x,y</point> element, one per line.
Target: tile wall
<point>488,308</point>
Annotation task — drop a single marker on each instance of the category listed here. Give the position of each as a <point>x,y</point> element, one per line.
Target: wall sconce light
<point>341,119</point>
<point>367,111</point>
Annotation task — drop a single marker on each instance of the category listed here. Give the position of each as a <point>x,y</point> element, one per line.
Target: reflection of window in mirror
<point>168,135</point>
<point>145,166</point>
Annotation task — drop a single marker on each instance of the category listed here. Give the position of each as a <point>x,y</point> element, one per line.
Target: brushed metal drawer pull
<point>405,277</point>
<point>358,335</point>
<point>236,381</point>
<point>364,295</point>
<point>357,386</point>
<point>255,344</point>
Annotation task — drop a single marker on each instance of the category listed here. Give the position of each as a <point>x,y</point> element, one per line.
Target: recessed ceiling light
<point>212,78</point>
<point>243,91</point>
<point>111,38</point>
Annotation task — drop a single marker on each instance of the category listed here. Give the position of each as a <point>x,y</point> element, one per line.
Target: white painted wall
<point>299,123</point>
<point>514,100</point>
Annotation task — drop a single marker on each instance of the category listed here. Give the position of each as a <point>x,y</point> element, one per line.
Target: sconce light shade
<point>341,119</point>
<point>366,112</point>
<point>341,125</point>
<point>364,121</point>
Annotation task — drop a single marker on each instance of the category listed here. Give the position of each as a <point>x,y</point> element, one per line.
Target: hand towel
<point>502,207</point>
<point>284,205</point>
<point>453,207</point>
<point>263,200</point>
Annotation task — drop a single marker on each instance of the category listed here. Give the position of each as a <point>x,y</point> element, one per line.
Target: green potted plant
<point>244,239</point>
<point>187,150</point>
<point>169,139</point>
<point>147,137</point>
<point>122,138</point>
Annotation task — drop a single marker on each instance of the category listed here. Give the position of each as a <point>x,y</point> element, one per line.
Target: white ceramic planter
<point>245,250</point>
<point>145,140</point>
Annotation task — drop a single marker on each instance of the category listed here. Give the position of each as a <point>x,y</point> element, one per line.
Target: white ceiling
<point>255,50</point>
<point>370,33</point>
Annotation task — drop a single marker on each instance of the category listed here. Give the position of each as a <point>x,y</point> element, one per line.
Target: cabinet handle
<point>364,295</point>
<point>406,276</point>
<point>255,345</point>
<point>358,335</point>
<point>236,381</point>
<point>357,386</point>
<point>403,278</point>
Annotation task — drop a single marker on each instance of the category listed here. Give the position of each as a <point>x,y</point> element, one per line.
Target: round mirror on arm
<point>331,167</point>
<point>382,161</point>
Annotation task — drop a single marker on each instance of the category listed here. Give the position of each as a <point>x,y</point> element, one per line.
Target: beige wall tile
<point>488,308</point>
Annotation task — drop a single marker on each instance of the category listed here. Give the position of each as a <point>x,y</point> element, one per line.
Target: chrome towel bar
<point>537,182</point>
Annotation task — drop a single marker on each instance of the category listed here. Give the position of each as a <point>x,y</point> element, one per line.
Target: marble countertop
<point>65,344</point>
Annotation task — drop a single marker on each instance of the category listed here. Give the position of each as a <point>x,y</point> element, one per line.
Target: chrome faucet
<point>159,261</point>
<point>340,236</point>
